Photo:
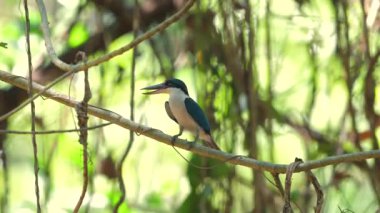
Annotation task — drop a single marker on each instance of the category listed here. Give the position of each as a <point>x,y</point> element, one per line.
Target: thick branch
<point>195,148</point>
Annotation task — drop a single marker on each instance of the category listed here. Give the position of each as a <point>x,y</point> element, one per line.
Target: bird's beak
<point>156,89</point>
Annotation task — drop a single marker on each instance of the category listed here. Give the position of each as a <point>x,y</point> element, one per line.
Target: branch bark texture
<point>159,136</point>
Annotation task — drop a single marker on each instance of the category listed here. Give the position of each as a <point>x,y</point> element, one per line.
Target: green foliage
<point>154,200</point>
<point>3,45</point>
<point>190,204</point>
<point>282,69</point>
<point>78,35</point>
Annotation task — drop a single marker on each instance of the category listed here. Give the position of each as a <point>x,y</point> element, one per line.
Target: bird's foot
<point>174,138</point>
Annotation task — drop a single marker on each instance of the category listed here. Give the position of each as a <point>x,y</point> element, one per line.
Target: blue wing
<point>197,114</point>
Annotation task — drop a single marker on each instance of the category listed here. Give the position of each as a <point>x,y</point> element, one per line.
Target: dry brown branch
<point>74,68</point>
<point>36,95</point>
<point>32,107</point>
<point>48,132</point>
<point>278,184</point>
<point>288,183</point>
<point>82,115</point>
<point>132,116</point>
<point>318,190</point>
<point>67,67</point>
<point>159,136</point>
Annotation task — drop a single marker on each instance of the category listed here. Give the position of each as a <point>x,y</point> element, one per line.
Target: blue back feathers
<point>197,114</point>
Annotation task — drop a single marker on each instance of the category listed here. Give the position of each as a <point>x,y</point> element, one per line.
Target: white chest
<point>178,108</point>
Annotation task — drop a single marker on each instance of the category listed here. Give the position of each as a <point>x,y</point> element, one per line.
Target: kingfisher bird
<point>184,110</point>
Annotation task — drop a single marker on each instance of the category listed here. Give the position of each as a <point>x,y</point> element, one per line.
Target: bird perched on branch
<point>184,110</point>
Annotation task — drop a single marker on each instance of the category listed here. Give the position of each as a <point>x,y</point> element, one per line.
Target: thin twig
<point>4,159</point>
<point>367,96</point>
<point>32,107</point>
<point>370,113</point>
<point>318,190</point>
<point>119,168</point>
<point>82,114</point>
<point>67,67</point>
<point>250,83</point>
<point>365,30</point>
<point>269,60</point>
<point>48,132</point>
<point>75,68</point>
<point>350,78</point>
<point>195,148</point>
<point>203,167</point>
<point>36,95</point>
<point>278,184</point>
<point>288,183</point>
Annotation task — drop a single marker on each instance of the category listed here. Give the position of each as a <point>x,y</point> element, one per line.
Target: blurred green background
<point>278,79</point>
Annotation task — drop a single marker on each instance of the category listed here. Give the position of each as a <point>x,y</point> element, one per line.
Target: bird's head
<point>166,86</point>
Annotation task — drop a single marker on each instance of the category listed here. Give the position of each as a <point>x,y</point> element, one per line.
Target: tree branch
<point>194,148</point>
<point>32,108</point>
<point>82,115</point>
<point>288,183</point>
<point>119,167</point>
<point>49,132</point>
<point>81,66</point>
<point>67,67</point>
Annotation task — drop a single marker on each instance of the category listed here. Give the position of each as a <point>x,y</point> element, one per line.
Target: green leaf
<point>3,45</point>
<point>154,200</point>
<point>78,35</point>
<point>190,204</point>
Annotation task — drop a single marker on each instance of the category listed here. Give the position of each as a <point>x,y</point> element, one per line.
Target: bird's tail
<point>209,142</point>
